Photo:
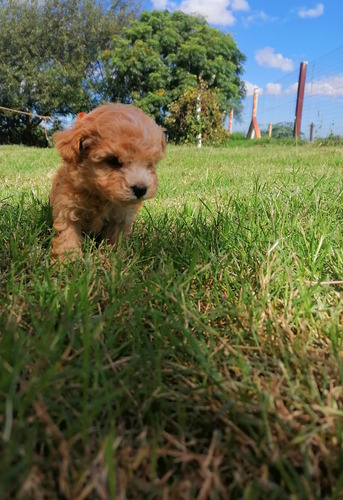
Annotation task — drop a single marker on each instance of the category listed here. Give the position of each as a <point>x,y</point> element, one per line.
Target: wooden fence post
<point>311,132</point>
<point>300,99</point>
<point>270,130</point>
<point>253,129</point>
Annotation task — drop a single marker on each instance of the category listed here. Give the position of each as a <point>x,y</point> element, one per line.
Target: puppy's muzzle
<point>139,191</point>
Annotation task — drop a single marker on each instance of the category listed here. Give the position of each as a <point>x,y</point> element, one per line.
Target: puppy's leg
<point>121,226</point>
<point>67,241</point>
<point>113,231</point>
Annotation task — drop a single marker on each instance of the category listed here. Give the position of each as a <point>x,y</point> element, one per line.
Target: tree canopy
<point>281,130</point>
<point>59,57</point>
<point>162,54</point>
<point>50,58</point>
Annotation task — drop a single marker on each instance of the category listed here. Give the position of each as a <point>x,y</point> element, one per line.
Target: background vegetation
<point>163,54</point>
<point>50,59</point>
<point>60,57</point>
<point>281,130</point>
<point>185,124</point>
<point>203,360</point>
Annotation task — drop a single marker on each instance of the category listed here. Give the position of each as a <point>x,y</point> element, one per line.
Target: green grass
<point>204,360</point>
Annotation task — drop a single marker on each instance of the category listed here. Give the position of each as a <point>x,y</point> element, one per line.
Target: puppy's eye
<point>114,162</point>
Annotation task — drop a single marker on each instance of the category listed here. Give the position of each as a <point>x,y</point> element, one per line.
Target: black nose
<point>139,191</point>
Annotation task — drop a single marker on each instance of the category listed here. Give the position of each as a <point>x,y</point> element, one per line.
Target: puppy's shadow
<point>43,224</point>
<point>43,228</point>
<point>25,223</point>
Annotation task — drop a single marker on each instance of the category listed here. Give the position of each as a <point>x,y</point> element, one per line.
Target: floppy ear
<point>68,143</point>
<point>72,144</point>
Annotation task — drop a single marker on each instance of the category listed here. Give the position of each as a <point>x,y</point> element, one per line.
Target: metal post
<point>300,99</point>
<point>230,120</point>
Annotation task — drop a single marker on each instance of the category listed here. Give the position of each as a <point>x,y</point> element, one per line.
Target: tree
<point>50,59</point>
<point>183,122</point>
<point>162,54</point>
<point>281,130</point>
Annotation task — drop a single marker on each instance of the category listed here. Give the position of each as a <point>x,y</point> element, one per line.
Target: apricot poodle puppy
<point>108,170</point>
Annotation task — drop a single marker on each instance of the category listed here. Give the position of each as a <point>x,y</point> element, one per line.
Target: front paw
<point>63,254</point>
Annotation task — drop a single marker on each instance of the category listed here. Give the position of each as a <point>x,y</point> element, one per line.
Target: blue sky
<point>276,36</point>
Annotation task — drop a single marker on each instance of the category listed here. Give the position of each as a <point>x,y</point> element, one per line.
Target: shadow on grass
<point>26,225</point>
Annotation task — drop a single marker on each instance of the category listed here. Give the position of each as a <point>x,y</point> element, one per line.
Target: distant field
<point>204,360</point>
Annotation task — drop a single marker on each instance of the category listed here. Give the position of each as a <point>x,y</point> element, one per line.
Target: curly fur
<point>108,170</point>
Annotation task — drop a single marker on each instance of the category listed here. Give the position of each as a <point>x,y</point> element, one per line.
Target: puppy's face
<point>112,152</point>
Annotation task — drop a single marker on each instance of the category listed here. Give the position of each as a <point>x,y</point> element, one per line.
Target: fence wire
<point>323,100</point>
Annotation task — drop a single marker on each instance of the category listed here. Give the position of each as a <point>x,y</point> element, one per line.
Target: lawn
<point>202,361</point>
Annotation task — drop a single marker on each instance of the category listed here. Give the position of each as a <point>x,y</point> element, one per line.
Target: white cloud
<point>250,87</point>
<point>215,12</point>
<point>239,5</point>
<point>160,4</point>
<point>170,5</point>
<point>259,16</point>
<point>292,89</point>
<point>267,57</point>
<point>316,12</point>
<point>273,89</point>
<point>218,12</point>
<point>329,86</point>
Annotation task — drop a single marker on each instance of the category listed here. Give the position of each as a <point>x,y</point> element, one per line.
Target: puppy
<point>108,170</point>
